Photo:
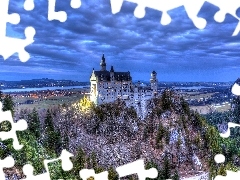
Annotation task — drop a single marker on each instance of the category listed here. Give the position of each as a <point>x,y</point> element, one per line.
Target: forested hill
<point>172,138</point>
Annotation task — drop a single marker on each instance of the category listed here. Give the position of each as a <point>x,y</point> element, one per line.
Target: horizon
<point>178,52</point>
<point>132,81</point>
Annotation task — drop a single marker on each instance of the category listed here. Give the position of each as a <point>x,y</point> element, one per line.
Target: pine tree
<point>150,165</point>
<point>236,109</point>
<point>167,135</point>
<point>94,161</point>
<point>8,104</point>
<point>23,114</point>
<point>34,123</point>
<point>48,122</point>
<point>52,137</point>
<point>160,134</point>
<point>65,141</point>
<point>222,171</point>
<point>112,174</point>
<point>58,141</point>
<point>176,175</point>
<point>179,142</point>
<point>79,162</point>
<point>166,99</point>
<point>185,106</point>
<point>166,172</point>
<point>213,139</point>
<point>1,96</point>
<point>32,151</point>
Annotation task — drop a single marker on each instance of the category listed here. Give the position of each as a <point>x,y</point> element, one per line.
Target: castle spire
<point>103,63</point>
<point>112,70</point>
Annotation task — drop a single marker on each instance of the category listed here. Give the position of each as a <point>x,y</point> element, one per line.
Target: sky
<point>70,50</point>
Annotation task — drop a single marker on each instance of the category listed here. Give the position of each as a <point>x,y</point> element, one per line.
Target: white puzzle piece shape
<point>20,125</point>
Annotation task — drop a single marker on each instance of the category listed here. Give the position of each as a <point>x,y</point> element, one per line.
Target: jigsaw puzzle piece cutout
<point>29,5</point>
<point>53,15</point>
<point>140,12</point>
<point>66,166</point>
<point>160,5</point>
<point>8,162</point>
<point>28,171</point>
<point>8,45</point>
<point>76,4</point>
<point>208,11</point>
<point>20,125</point>
<point>231,175</point>
<point>227,8</point>
<point>192,9</point>
<point>137,167</point>
<point>228,132</point>
<point>66,162</point>
<point>116,5</point>
<point>5,17</point>
<point>236,87</point>
<point>219,158</point>
<point>86,173</point>
<point>60,15</point>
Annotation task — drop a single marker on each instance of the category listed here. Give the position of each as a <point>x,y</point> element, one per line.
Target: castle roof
<point>238,81</point>
<point>154,72</point>
<point>118,76</point>
<point>103,63</point>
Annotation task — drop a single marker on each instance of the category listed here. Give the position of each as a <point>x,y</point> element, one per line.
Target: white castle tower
<point>154,83</point>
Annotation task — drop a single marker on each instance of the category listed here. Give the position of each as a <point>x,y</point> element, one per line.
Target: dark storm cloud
<point>178,51</point>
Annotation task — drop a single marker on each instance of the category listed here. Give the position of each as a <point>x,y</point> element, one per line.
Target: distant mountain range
<point>36,83</point>
<point>46,82</point>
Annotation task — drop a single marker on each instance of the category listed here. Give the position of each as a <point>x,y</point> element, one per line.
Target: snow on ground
<point>173,136</point>
<point>196,161</point>
<point>201,176</point>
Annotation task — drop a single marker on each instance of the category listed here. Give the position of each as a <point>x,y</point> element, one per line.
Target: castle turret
<point>112,74</point>
<point>93,88</point>
<point>154,82</point>
<point>103,63</point>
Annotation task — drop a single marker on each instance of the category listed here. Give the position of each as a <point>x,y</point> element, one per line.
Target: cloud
<point>71,49</point>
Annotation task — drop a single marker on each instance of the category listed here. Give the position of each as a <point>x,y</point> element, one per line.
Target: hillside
<point>171,133</point>
<point>172,138</point>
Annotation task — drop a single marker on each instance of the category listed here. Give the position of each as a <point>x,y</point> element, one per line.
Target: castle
<point>108,86</point>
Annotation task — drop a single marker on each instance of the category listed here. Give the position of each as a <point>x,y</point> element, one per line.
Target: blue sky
<point>177,52</point>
